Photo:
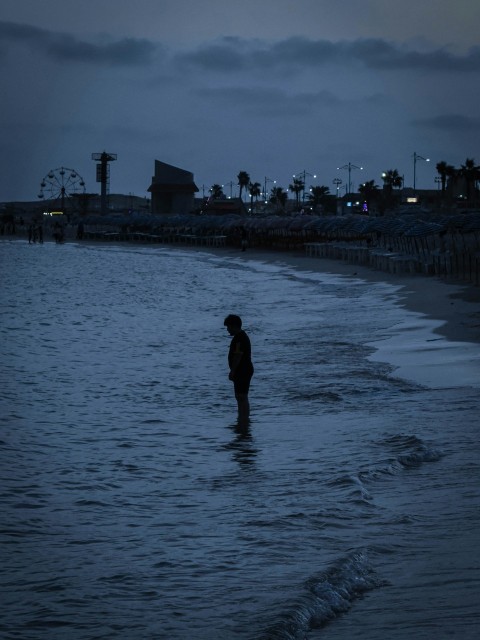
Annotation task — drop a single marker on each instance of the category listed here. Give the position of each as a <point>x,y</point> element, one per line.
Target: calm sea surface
<point>133,507</point>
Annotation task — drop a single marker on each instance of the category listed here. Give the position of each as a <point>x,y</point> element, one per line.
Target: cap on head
<point>233,321</point>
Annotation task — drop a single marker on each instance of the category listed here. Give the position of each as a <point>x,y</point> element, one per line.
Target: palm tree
<point>442,170</point>
<point>369,190</point>
<point>317,195</point>
<point>446,171</point>
<point>297,187</point>
<point>243,181</point>
<point>216,191</point>
<point>392,179</point>
<point>254,189</point>
<point>470,173</point>
<point>279,197</point>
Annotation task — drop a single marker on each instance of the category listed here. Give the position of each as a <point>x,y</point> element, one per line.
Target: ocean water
<point>134,507</point>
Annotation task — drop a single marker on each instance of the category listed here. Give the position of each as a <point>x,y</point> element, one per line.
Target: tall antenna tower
<point>103,176</point>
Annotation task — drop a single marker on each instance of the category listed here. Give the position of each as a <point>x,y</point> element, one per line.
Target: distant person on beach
<point>244,239</point>
<point>240,364</point>
<point>58,233</point>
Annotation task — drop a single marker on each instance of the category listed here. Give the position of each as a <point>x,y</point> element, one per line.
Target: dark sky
<point>271,87</point>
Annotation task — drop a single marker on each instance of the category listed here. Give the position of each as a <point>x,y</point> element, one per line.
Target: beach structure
<point>412,240</point>
<point>223,206</point>
<point>103,176</point>
<point>173,190</point>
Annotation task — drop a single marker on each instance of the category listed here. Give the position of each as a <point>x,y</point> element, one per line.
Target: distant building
<point>221,206</point>
<point>173,189</point>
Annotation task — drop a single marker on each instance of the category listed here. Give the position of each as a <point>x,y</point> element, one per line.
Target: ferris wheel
<point>60,184</point>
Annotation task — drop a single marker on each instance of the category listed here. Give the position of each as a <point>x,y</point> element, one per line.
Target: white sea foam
<point>426,358</point>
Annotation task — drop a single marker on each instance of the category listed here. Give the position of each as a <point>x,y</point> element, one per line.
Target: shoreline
<point>449,311</point>
<point>455,304</point>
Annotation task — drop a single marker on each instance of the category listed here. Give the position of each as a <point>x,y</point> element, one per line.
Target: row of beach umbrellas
<point>354,225</point>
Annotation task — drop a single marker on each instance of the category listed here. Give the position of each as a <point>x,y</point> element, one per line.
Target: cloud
<point>450,123</point>
<point>269,101</point>
<point>63,47</point>
<point>379,54</point>
<point>277,102</point>
<point>236,54</point>
<point>230,54</point>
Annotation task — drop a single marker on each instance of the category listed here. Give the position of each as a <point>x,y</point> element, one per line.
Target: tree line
<point>317,195</point>
<point>467,176</point>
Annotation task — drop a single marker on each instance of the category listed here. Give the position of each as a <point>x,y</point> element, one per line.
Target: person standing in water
<point>240,364</point>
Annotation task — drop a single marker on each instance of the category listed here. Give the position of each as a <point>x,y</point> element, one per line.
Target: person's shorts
<point>242,384</point>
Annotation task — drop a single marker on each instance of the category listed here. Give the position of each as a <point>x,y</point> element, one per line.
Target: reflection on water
<point>134,507</point>
<point>243,446</point>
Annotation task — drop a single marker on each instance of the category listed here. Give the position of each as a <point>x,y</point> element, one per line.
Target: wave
<point>327,595</point>
<point>412,451</point>
<point>408,452</point>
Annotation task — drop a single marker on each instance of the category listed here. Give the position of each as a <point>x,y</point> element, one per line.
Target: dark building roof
<point>168,179</point>
<point>172,189</point>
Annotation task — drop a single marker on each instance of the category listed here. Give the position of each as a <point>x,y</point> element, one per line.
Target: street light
<point>231,185</point>
<point>350,166</point>
<point>304,174</point>
<point>337,182</point>
<point>415,158</point>
<point>265,186</point>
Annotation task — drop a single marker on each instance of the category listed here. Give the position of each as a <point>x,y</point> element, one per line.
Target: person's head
<point>233,323</point>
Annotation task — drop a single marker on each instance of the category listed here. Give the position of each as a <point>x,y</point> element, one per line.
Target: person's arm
<point>237,358</point>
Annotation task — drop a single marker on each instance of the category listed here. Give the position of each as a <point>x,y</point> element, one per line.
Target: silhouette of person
<point>240,364</point>
<point>244,239</point>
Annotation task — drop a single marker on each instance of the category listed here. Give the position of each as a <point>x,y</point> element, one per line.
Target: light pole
<point>415,158</point>
<point>230,184</point>
<point>265,187</point>
<point>350,166</point>
<point>337,182</point>
<point>304,174</point>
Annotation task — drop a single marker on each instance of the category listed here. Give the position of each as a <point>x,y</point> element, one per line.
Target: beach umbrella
<point>423,229</point>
